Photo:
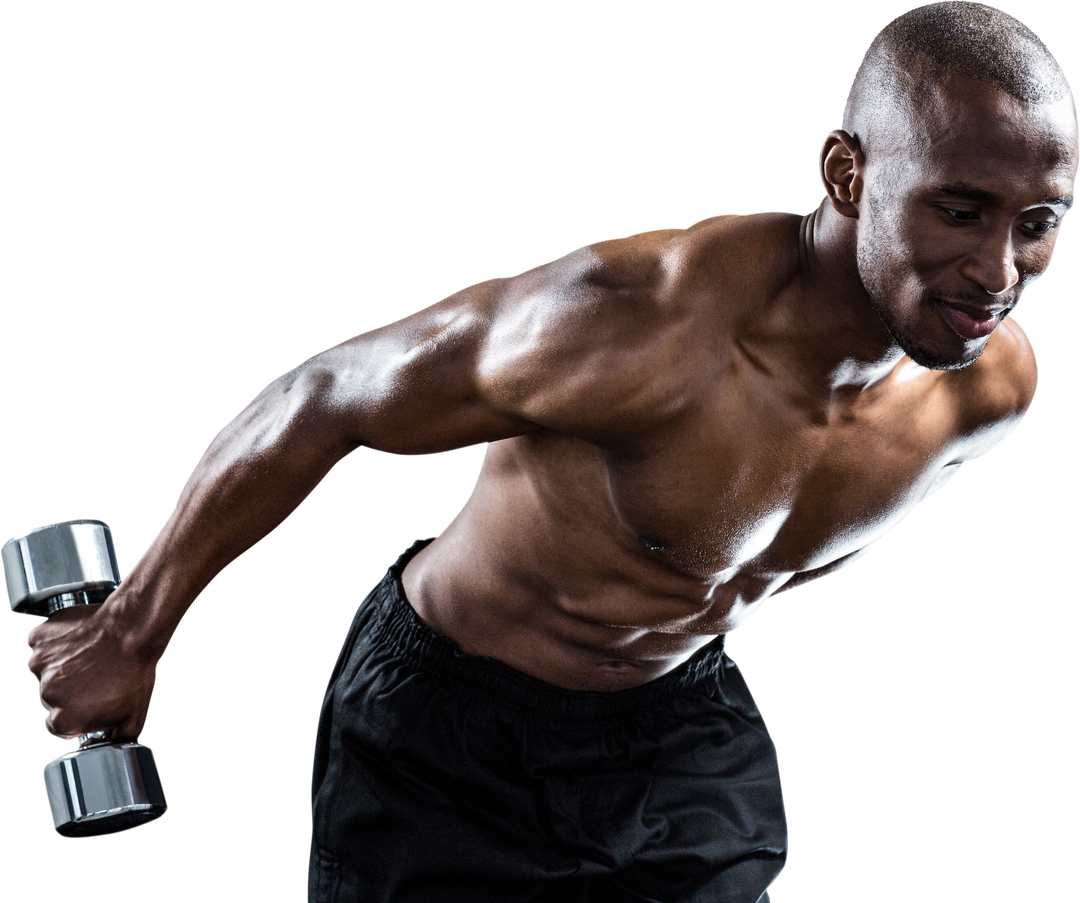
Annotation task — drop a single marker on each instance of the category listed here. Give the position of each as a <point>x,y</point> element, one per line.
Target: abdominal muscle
<point>538,572</point>
<point>493,614</point>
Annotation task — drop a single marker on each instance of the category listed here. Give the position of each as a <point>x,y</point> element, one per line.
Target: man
<point>536,705</point>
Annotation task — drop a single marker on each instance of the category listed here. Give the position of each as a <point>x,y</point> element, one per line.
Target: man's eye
<point>963,216</point>
<point>1039,227</point>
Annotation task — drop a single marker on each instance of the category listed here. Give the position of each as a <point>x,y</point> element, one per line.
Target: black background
<point>199,204</point>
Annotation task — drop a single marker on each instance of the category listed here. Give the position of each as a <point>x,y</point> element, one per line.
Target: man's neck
<point>852,349</point>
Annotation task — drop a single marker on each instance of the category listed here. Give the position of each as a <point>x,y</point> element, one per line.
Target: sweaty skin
<point>681,423</point>
<point>704,473</point>
<point>723,448</point>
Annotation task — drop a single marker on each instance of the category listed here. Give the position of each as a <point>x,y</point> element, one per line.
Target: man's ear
<point>842,164</point>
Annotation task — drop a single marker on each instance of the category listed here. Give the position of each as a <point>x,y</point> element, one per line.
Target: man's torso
<point>601,562</point>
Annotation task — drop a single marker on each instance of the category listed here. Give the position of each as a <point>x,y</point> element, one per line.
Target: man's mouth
<point>970,321</point>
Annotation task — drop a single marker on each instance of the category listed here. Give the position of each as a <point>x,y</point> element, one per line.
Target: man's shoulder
<point>994,393</point>
<point>625,331</point>
<point>733,256</point>
<point>637,282</point>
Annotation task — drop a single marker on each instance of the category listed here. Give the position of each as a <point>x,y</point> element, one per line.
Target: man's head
<point>957,160</point>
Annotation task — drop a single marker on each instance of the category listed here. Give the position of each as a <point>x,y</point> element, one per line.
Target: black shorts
<point>441,776</point>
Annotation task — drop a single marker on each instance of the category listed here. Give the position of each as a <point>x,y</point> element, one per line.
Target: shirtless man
<point>681,424</point>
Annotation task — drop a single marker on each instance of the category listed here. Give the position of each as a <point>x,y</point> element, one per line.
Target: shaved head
<point>955,165</point>
<point>932,44</point>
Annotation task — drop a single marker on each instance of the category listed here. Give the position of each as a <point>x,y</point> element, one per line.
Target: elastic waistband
<point>396,626</point>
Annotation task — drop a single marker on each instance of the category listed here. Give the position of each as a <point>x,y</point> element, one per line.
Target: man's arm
<point>407,388</point>
<point>494,361</point>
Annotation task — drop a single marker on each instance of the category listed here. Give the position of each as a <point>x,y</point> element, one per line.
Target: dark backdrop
<point>199,204</point>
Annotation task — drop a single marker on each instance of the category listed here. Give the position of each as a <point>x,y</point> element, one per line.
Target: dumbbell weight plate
<point>58,561</point>
<point>104,788</point>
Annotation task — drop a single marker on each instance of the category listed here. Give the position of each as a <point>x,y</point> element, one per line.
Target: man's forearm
<point>253,475</point>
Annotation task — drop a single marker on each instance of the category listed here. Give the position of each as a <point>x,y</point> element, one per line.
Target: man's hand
<point>92,678</point>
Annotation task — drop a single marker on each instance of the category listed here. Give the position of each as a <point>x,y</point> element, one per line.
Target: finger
<point>131,727</point>
<point>27,641</point>
<point>58,735</point>
<point>48,728</point>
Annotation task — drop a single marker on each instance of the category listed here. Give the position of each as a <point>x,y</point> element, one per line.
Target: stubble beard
<point>913,347</point>
<point>874,271</point>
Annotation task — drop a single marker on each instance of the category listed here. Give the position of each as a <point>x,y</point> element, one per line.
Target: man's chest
<point>772,490</point>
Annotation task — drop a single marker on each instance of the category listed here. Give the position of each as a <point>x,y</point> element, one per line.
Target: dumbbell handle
<point>93,737</point>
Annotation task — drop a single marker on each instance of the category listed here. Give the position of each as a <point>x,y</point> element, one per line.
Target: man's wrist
<point>138,623</point>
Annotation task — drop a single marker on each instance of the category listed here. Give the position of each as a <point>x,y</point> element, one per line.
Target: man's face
<point>960,214</point>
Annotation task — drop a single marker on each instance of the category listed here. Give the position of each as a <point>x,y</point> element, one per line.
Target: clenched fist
<point>92,676</point>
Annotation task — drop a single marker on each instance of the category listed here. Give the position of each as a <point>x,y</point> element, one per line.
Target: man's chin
<point>933,360</point>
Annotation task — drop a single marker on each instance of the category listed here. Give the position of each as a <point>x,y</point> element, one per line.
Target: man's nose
<point>993,264</point>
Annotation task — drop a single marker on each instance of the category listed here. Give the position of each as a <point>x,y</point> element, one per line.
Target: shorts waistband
<point>396,626</point>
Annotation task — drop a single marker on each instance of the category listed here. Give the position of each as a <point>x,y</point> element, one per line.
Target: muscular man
<point>536,705</point>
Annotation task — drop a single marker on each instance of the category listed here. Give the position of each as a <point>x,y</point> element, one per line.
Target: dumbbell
<point>103,786</point>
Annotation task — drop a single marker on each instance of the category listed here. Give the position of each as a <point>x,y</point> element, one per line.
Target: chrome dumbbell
<point>103,786</point>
